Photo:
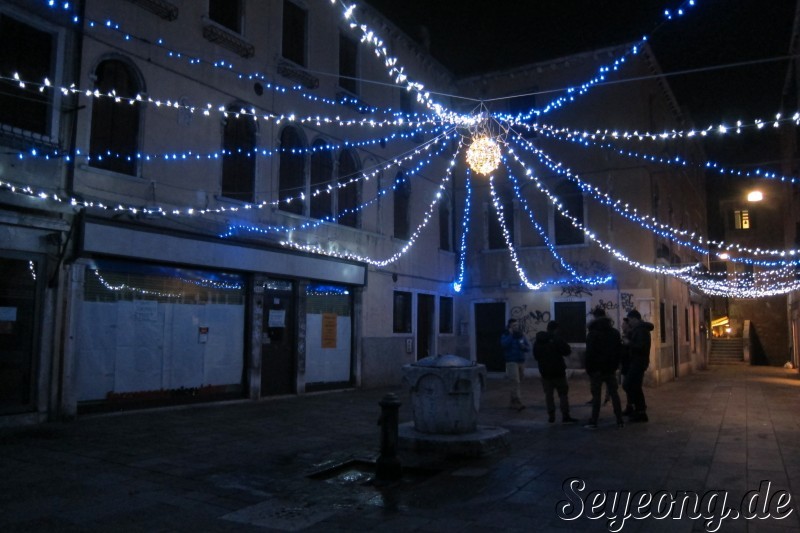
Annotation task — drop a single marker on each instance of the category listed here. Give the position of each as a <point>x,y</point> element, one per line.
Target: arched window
<point>571,199</point>
<point>30,52</point>
<point>292,181</point>
<point>239,156</point>
<point>402,199</point>
<point>321,176</point>
<point>348,195</point>
<point>114,140</point>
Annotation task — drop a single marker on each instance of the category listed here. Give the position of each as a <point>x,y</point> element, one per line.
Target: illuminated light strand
<point>126,287</point>
<point>512,251</point>
<point>366,176</point>
<point>229,68</point>
<point>607,200</point>
<point>77,203</point>
<point>222,109</point>
<point>64,6</point>
<point>235,228</point>
<point>661,229</point>
<point>367,36</point>
<point>317,249</point>
<point>617,135</point>
<point>396,72</point>
<point>458,284</point>
<point>548,243</point>
<point>676,160</point>
<point>578,225</point>
<point>32,269</point>
<point>192,156</point>
<point>720,288</point>
<point>603,71</point>
<point>326,290</point>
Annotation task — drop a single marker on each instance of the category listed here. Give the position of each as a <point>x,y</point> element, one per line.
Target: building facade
<point>226,199</point>
<point>578,165</point>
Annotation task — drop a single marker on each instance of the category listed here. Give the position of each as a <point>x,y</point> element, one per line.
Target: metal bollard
<point>388,466</point>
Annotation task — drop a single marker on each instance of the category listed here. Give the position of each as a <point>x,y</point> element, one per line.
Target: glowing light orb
<point>483,155</point>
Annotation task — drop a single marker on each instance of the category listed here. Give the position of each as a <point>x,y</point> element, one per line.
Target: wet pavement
<point>305,464</point>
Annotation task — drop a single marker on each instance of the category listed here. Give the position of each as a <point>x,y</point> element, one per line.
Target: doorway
<point>280,338</point>
<point>425,326</point>
<point>490,322</point>
<point>18,308</point>
<point>676,352</point>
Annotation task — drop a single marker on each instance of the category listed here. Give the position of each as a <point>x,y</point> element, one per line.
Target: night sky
<point>473,36</point>
<point>712,40</point>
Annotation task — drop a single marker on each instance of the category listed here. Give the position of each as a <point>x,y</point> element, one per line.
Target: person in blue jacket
<point>515,346</point>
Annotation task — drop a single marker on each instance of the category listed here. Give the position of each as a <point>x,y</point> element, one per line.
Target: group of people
<point>608,352</point>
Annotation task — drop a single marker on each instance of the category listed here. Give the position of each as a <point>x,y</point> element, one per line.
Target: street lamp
<point>755,196</point>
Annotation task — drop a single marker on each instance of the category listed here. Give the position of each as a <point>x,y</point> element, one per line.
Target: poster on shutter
<point>277,318</point>
<point>329,330</point>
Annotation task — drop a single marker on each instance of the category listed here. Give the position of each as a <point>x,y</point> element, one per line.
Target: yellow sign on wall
<point>329,330</point>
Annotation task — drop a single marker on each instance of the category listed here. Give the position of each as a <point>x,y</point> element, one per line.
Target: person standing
<point>603,345</point>
<point>549,350</point>
<point>639,354</point>
<point>515,346</point>
<point>625,362</point>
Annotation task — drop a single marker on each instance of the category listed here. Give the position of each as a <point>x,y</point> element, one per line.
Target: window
<point>348,64</point>
<point>741,219</point>
<point>572,201</point>
<point>349,188</point>
<point>662,322</point>
<point>294,33</point>
<point>291,181</point>
<point>227,13</point>
<point>321,176</point>
<point>114,139</point>
<point>402,199</point>
<point>686,322</point>
<point>495,238</point>
<point>572,318</point>
<point>29,52</point>
<point>445,232</point>
<point>402,312</point>
<point>239,156</point>
<point>446,314</point>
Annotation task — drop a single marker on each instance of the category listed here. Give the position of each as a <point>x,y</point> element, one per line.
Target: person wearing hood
<point>603,347</point>
<point>639,360</point>
<point>549,350</point>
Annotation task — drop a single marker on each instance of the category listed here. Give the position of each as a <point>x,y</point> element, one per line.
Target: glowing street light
<point>755,196</point>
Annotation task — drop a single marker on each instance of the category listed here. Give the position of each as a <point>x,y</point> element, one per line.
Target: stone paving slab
<point>246,466</point>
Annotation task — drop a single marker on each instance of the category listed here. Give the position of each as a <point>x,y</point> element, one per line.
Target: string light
<point>481,157</point>
<point>458,284</point>
<point>428,215</point>
<point>680,237</point>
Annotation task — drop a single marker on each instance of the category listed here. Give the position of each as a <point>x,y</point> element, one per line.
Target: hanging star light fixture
<point>484,155</point>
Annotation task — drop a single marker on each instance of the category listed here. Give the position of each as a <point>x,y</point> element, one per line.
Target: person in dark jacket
<point>603,345</point>
<point>639,360</point>
<point>549,350</point>
<point>515,346</point>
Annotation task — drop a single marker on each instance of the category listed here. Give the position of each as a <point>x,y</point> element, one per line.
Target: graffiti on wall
<point>574,291</point>
<point>529,319</point>
<point>626,301</point>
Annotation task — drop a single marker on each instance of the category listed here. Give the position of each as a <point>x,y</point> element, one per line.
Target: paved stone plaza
<point>270,465</point>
